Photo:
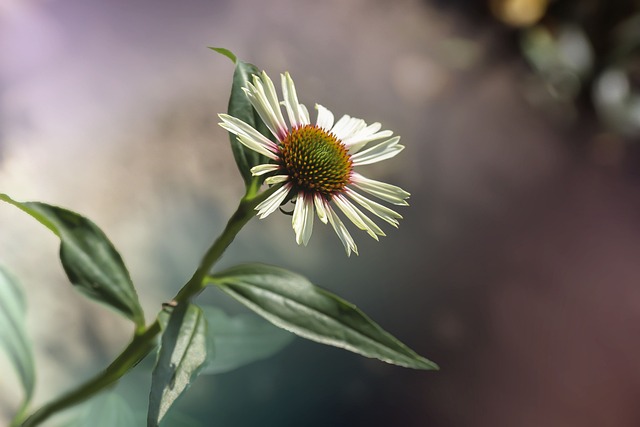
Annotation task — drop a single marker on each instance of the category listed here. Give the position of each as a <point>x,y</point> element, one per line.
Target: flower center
<point>315,160</point>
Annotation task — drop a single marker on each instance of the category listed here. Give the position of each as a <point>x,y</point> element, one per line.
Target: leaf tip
<point>225,52</point>
<point>428,365</point>
<point>423,364</point>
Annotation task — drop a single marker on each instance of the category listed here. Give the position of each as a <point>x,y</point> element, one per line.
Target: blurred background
<point>515,268</point>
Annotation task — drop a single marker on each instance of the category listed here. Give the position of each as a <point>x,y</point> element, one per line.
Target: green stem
<point>144,341</point>
<point>21,414</point>
<point>139,347</point>
<point>239,219</point>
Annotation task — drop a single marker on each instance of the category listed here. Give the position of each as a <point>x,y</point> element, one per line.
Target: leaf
<point>13,335</point>
<point>183,351</point>
<point>112,410</point>
<point>107,410</point>
<point>241,108</point>
<point>291,302</point>
<point>225,52</point>
<point>172,419</point>
<point>88,257</point>
<point>177,419</point>
<point>241,340</point>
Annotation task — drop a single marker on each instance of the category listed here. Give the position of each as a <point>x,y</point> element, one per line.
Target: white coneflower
<point>315,163</point>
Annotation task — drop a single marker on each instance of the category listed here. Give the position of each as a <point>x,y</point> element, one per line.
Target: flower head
<point>315,163</point>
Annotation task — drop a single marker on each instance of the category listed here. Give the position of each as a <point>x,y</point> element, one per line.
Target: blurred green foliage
<point>583,58</point>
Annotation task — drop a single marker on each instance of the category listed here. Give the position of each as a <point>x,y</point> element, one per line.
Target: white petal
<point>273,201</point>
<point>347,126</point>
<point>340,124</point>
<point>276,179</point>
<point>371,129</point>
<point>257,147</point>
<point>357,143</point>
<point>304,114</point>
<point>253,137</point>
<point>319,202</point>
<point>325,118</point>
<point>362,221</point>
<point>263,97</point>
<point>302,220</point>
<point>291,103</point>
<point>270,93</point>
<point>387,192</point>
<point>377,209</point>
<point>366,135</point>
<point>265,168</point>
<point>341,230</point>
<point>365,132</point>
<point>266,113</point>
<point>383,151</point>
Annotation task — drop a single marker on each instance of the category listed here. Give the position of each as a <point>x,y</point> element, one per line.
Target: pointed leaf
<point>241,339</point>
<point>291,302</point>
<point>13,337</point>
<point>225,52</point>
<point>241,108</point>
<point>172,419</point>
<point>177,419</point>
<point>90,260</point>
<point>110,409</point>
<point>183,351</point>
<point>107,410</point>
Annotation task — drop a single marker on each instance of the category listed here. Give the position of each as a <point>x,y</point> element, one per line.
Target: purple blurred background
<point>515,268</point>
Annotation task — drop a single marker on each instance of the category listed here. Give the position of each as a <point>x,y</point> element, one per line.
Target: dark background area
<point>515,268</point>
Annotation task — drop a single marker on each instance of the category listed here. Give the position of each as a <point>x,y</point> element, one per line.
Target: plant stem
<point>145,341</point>
<point>21,414</point>
<point>137,349</point>
<point>239,219</point>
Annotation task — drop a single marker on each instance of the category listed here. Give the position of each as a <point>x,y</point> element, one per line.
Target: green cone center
<point>315,160</point>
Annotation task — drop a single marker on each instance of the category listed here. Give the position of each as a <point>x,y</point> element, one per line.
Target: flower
<point>315,163</point>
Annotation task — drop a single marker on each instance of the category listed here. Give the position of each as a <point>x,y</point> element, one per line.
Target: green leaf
<point>291,302</point>
<point>88,257</point>
<point>225,52</point>
<point>241,108</point>
<point>13,336</point>
<point>241,340</point>
<point>106,410</point>
<point>183,351</point>
<point>177,419</point>
<point>113,410</point>
<point>173,419</point>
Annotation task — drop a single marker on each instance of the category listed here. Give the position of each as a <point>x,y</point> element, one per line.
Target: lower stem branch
<point>239,219</point>
<point>144,342</point>
<point>139,347</point>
